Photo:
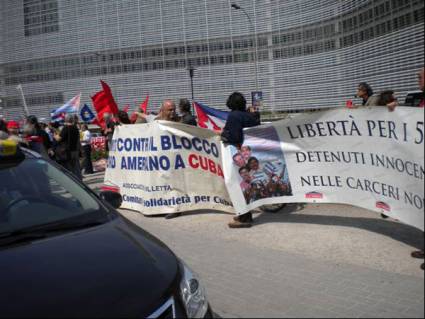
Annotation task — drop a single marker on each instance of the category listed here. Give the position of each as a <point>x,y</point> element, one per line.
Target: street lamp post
<point>191,74</point>
<point>237,7</point>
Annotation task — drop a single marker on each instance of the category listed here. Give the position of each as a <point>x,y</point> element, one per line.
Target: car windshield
<point>35,193</point>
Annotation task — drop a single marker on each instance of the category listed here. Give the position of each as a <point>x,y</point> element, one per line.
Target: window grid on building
<point>144,47</point>
<point>40,16</point>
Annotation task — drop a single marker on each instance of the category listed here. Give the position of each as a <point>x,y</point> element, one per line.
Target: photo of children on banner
<point>262,166</point>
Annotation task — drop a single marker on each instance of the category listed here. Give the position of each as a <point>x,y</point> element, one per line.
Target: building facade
<point>308,53</point>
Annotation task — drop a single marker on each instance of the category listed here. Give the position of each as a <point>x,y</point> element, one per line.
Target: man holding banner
<point>167,112</point>
<point>232,134</point>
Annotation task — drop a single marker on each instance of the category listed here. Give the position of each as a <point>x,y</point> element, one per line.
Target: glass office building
<point>309,53</point>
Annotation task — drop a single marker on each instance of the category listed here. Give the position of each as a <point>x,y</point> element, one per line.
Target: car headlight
<point>193,294</point>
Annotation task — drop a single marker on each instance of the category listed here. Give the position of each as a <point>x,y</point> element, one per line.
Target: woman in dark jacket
<point>123,118</point>
<point>186,116</point>
<point>239,118</point>
<point>69,146</point>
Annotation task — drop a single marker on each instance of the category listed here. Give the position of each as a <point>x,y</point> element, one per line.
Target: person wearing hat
<point>13,127</point>
<point>37,138</point>
<point>13,131</point>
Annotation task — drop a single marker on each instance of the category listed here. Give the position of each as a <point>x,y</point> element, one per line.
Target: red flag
<point>100,102</point>
<point>104,102</point>
<point>144,105</point>
<point>112,105</point>
<point>96,122</point>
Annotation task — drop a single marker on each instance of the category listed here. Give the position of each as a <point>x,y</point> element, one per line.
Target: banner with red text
<point>165,167</point>
<point>369,158</point>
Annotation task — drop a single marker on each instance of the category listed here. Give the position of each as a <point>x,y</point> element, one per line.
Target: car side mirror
<point>113,198</point>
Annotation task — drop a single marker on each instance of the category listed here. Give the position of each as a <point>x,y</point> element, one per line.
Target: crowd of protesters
<point>66,144</point>
<point>61,144</point>
<point>70,141</point>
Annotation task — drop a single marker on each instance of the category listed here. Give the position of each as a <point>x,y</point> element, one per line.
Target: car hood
<point>112,270</point>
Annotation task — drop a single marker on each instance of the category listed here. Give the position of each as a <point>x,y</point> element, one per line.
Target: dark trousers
<point>73,164</point>
<point>87,164</point>
<point>245,218</point>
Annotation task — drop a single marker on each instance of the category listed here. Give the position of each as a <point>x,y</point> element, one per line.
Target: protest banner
<point>369,158</point>
<point>165,167</point>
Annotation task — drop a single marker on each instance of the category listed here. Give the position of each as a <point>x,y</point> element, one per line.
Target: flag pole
<point>195,111</point>
<point>19,87</point>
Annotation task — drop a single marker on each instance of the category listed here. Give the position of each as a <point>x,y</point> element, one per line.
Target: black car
<point>65,252</point>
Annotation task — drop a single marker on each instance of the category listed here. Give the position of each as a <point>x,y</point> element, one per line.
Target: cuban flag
<point>59,118</point>
<point>210,118</point>
<point>275,167</point>
<point>271,168</point>
<point>87,114</point>
<point>259,177</point>
<point>72,106</point>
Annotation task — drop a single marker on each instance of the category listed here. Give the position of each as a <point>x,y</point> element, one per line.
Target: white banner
<point>165,167</point>
<point>369,158</point>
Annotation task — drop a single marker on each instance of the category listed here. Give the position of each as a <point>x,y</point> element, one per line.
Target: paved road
<point>305,261</point>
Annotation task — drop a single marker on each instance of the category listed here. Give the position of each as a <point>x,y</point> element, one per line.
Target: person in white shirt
<point>86,145</point>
